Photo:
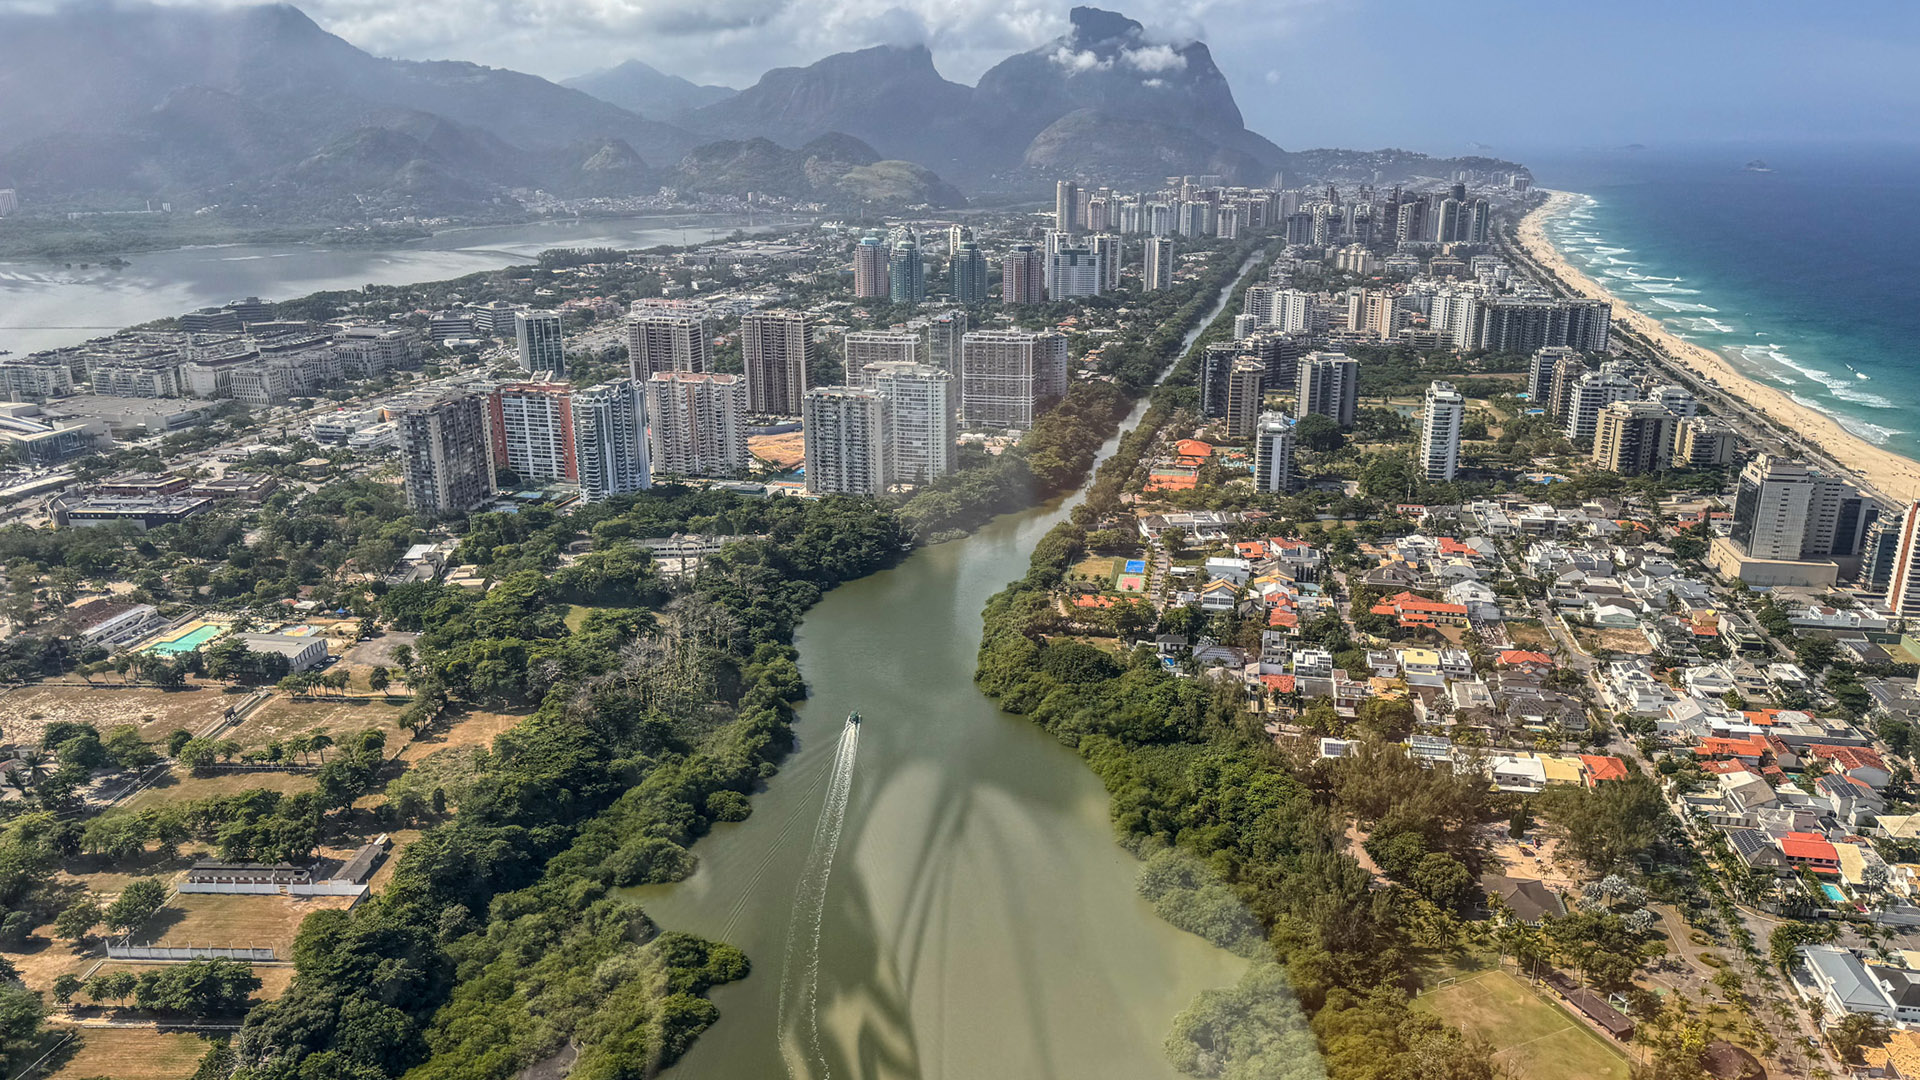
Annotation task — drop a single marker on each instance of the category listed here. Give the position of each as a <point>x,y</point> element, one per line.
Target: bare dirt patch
<point>268,921</point>
<point>784,451</point>
<point>474,727</point>
<point>26,711</point>
<point>181,785</point>
<point>129,1054</point>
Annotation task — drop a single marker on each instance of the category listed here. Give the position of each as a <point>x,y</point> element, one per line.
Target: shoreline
<point>1894,478</point>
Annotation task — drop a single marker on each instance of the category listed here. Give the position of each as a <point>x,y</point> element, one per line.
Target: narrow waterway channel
<point>959,909</point>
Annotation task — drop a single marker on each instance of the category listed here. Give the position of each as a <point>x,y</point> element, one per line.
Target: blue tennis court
<point>1136,566</point>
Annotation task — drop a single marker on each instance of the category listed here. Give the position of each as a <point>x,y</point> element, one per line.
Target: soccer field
<point>1531,1036</point>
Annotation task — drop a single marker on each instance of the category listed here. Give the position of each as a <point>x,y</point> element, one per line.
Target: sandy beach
<point>1894,477</point>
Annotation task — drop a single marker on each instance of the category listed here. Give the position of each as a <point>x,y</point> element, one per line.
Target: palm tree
<point>319,741</point>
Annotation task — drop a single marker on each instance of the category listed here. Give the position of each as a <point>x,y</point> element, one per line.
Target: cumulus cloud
<point>1154,58</point>
<point>1077,62</point>
<point>1155,83</point>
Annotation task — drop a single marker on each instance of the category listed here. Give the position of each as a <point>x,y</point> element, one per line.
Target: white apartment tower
<point>775,350</point>
<point>923,433</point>
<point>1440,432</point>
<point>660,341</point>
<point>532,427</point>
<point>1273,453</point>
<point>1005,374</point>
<point>865,347</point>
<point>847,436</point>
<point>1903,594</point>
<point>698,424</point>
<point>610,439</point>
<point>541,345</point>
<point>1594,391</point>
<point>1159,263</point>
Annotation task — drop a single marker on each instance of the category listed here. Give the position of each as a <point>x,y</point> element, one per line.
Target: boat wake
<point>799,1014</point>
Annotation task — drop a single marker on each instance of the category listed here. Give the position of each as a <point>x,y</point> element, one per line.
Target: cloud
<point>1155,58</point>
<point>1077,62</point>
<point>1155,83</point>
<point>1273,77</point>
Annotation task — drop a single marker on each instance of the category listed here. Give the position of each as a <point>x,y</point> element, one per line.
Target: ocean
<point>1802,276</point>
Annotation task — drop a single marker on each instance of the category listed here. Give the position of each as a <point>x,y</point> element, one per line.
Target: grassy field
<point>129,1054</point>
<point>1531,1037</point>
<point>284,715</point>
<point>1529,635</point>
<point>24,712</point>
<point>1097,568</point>
<point>268,921</point>
<point>473,727</point>
<point>181,785</point>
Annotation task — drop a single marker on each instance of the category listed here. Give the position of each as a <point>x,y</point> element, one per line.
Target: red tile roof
<point>1752,746</point>
<point>1279,684</point>
<point>1809,846</point>
<point>1516,657</point>
<point>1849,757</point>
<point>1194,448</point>
<point>1601,768</point>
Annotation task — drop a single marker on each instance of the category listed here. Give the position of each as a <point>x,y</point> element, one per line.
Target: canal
<point>938,893</point>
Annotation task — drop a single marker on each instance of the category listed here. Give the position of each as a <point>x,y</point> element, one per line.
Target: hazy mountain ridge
<point>642,88</point>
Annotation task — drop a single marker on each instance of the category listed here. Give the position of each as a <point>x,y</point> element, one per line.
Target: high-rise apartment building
<point>1703,442</point>
<point>847,439</point>
<point>1023,276</point>
<point>1109,251</point>
<point>1677,400</point>
<point>1159,263</point>
<point>1903,591</point>
<point>870,269</point>
<point>944,334</point>
<point>1005,375</point>
<point>1633,437</point>
<point>1066,206</point>
<point>610,439</point>
<point>1774,507</point>
<point>968,271</point>
<point>1216,374</point>
<point>923,432</point>
<point>906,274</point>
<point>698,424</point>
<point>1076,272</point>
<point>541,345</point>
<point>1881,554</point>
<point>1593,392</point>
<point>1440,432</point>
<point>776,350</point>
<point>1542,372</point>
<point>865,347</point>
<point>1246,383</point>
<point>443,448</point>
<point>660,341</point>
<point>1273,453</point>
<point>532,427</point>
<point>1297,311</point>
<point>1509,324</point>
<point>1328,384</point>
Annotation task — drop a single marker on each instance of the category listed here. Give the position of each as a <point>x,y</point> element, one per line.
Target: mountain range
<point>260,106</point>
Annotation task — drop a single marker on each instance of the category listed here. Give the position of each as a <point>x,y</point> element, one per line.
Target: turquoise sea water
<point>1802,275</point>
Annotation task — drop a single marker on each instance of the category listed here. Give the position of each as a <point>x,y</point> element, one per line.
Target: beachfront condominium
<point>870,269</point>
<point>660,341</point>
<point>967,271</point>
<point>532,432</point>
<point>1903,591</point>
<point>865,347</point>
<point>698,424</point>
<point>1007,375</point>
<point>1786,510</point>
<point>845,431</point>
<point>1634,437</point>
<point>1703,442</point>
<point>1542,370</point>
<point>1159,264</point>
<point>1273,453</point>
<point>1440,432</point>
<point>1076,272</point>
<point>1677,400</point>
<point>945,331</point>
<point>1066,206</point>
<point>1509,324</point>
<point>1594,391</point>
<point>1246,385</point>
<point>906,274</point>
<point>610,439</point>
<point>1880,554</point>
<point>921,428</point>
<point>443,450</point>
<point>1328,384</point>
<point>541,345</point>
<point>776,350</point>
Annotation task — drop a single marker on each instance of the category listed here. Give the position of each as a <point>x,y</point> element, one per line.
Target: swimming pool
<point>187,642</point>
<point>1833,893</point>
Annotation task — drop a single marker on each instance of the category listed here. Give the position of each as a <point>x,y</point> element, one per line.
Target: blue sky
<point>1436,75</point>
